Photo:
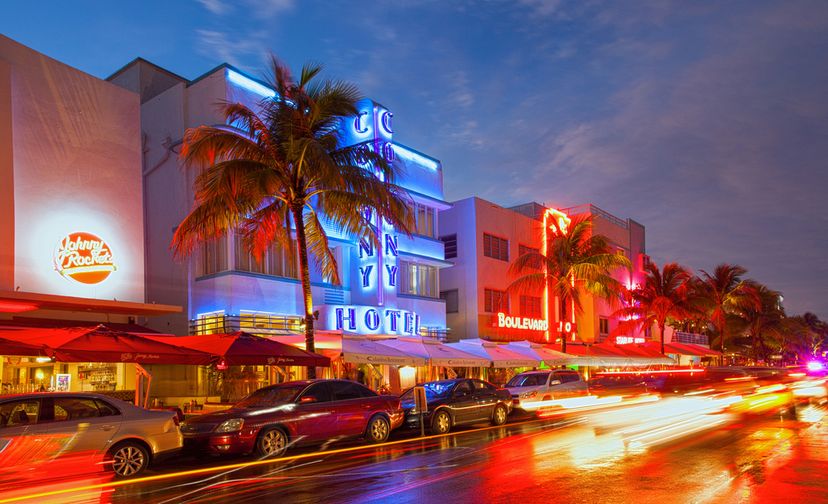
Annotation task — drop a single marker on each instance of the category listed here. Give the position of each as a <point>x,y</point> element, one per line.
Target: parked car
<point>299,412</point>
<point>616,384</point>
<point>457,402</point>
<point>530,389</point>
<point>42,431</point>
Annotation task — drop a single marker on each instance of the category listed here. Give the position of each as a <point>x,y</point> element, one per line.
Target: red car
<point>295,413</point>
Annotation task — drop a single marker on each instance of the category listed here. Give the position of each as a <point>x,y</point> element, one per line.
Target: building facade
<point>391,289</point>
<point>71,209</point>
<point>483,240</point>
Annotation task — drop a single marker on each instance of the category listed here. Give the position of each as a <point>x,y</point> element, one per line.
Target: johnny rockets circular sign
<point>84,257</point>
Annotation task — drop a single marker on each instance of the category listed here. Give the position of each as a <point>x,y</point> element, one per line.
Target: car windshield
<point>527,380</point>
<point>433,390</point>
<point>270,396</point>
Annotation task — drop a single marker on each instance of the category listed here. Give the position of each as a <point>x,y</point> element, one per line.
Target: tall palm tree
<point>665,294</point>
<point>280,171</point>
<point>724,294</point>
<point>765,321</point>
<point>576,262</point>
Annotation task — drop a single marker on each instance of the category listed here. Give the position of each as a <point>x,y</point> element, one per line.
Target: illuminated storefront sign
<point>524,323</point>
<point>627,340</point>
<point>369,319</point>
<point>84,258</point>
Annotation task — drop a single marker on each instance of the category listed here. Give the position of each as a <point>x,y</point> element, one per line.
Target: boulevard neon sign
<point>523,323</point>
<point>84,258</point>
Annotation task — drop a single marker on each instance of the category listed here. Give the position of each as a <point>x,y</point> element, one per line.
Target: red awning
<point>101,344</point>
<point>689,349</point>
<point>240,348</point>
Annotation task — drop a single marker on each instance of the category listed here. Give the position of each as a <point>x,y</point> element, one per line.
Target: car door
<point>314,419</point>
<point>486,397</point>
<point>18,445</point>
<point>463,403</point>
<point>352,407</point>
<point>88,426</point>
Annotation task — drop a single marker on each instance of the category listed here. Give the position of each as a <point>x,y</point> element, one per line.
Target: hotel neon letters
<point>371,319</point>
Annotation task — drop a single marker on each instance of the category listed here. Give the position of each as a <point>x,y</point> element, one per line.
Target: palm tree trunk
<point>563,319</point>
<point>661,327</point>
<point>304,273</point>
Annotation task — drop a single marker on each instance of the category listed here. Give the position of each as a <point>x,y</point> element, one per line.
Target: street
<point>624,454</point>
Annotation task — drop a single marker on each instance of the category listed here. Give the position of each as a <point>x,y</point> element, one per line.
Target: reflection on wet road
<point>669,450</point>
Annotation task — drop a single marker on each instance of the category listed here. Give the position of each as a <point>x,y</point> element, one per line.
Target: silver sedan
<point>55,434</point>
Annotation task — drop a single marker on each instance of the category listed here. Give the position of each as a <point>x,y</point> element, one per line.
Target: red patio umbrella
<point>101,344</point>
<point>15,347</point>
<point>240,348</point>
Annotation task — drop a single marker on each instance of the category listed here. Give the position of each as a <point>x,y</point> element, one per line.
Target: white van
<point>532,387</point>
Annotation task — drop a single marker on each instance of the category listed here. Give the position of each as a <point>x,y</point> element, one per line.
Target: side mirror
<point>555,382</point>
<point>307,399</point>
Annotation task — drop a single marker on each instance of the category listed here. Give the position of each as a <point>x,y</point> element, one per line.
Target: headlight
<point>528,395</point>
<point>232,425</point>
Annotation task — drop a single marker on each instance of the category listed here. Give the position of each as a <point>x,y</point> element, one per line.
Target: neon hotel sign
<point>84,258</point>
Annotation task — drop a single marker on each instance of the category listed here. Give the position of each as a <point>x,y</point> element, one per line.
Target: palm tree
<point>279,170</point>
<point>765,321</point>
<point>665,294</point>
<point>725,294</point>
<point>576,262</point>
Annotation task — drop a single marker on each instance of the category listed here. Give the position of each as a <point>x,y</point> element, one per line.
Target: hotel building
<point>392,289</point>
<point>483,239</point>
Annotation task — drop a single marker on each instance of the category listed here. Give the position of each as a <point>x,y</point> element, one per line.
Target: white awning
<point>360,350</point>
<point>499,355</point>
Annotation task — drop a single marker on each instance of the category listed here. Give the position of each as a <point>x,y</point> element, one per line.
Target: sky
<point>707,122</point>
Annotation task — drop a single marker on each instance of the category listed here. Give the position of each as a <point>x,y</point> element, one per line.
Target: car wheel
<point>441,423</point>
<point>129,459</point>
<point>272,442</point>
<point>378,429</point>
<point>499,415</point>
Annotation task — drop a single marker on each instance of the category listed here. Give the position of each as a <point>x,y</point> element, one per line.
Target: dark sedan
<point>300,412</point>
<point>457,402</point>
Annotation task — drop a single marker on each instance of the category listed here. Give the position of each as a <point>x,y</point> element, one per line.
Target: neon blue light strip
<point>249,84</point>
<point>415,157</point>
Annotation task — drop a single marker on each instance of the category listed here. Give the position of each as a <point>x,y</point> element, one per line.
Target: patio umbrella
<point>240,348</point>
<point>361,350</point>
<point>435,352</point>
<point>499,355</point>
<point>638,354</point>
<point>14,347</point>
<point>552,358</point>
<point>101,344</point>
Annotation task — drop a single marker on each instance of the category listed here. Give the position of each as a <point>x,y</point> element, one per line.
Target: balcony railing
<point>693,338</point>
<point>594,210</point>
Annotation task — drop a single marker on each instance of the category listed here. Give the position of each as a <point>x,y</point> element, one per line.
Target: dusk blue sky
<point>706,122</point>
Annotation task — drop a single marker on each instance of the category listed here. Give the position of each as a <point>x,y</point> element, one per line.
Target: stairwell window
<point>275,261</point>
<point>418,280</point>
<point>213,256</point>
<point>426,220</point>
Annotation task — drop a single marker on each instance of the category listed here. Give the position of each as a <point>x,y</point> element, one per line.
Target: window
<point>603,326</point>
<point>566,377</point>
<point>344,391</point>
<point>418,280</point>
<point>106,409</point>
<point>530,306</point>
<point>210,323</point>
<point>523,250</point>
<point>75,408</point>
<point>450,245</point>
<point>495,301</point>
<point>462,388</point>
<point>426,220</point>
<point>496,248</point>
<point>275,261</point>
<point>452,300</point>
<point>213,256</point>
<point>320,391</point>
<point>482,386</point>
<point>249,319</point>
<point>528,380</point>
<point>17,413</point>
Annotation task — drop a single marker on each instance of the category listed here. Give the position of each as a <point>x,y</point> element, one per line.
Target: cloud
<point>217,7</point>
<point>220,46</point>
